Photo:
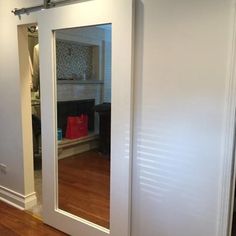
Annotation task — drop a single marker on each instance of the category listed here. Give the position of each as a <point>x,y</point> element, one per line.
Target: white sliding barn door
<point>89,13</point>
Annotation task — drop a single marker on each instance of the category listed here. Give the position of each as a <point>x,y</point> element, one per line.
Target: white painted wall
<point>11,138</point>
<point>182,52</point>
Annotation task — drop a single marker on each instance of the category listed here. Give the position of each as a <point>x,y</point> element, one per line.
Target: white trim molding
<point>226,191</point>
<point>18,200</point>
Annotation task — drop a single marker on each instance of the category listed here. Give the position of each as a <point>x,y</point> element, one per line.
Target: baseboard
<point>18,200</point>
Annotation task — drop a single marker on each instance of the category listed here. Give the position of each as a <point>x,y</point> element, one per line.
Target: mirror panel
<point>83,69</point>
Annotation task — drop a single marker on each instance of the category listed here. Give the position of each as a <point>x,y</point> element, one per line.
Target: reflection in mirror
<point>83,69</point>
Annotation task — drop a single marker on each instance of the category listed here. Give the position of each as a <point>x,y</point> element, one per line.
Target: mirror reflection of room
<point>83,68</point>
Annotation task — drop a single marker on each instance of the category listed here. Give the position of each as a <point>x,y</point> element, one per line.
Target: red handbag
<point>77,126</point>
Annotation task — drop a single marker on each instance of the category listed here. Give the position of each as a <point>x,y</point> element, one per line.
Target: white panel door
<point>89,13</point>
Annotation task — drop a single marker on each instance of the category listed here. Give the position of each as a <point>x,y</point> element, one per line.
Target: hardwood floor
<point>84,190</point>
<point>14,222</point>
<point>84,186</point>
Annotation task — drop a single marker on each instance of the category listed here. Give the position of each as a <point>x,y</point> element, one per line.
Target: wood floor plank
<point>84,190</point>
<point>14,222</point>
<point>84,186</point>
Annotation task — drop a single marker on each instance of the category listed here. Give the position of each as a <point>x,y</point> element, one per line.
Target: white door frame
<point>86,13</point>
<point>30,198</point>
<point>226,193</point>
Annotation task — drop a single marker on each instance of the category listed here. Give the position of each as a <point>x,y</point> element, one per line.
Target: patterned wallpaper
<point>73,60</point>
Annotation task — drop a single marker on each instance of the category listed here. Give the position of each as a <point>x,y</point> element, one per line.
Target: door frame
<point>26,113</point>
<point>228,171</point>
<point>119,14</point>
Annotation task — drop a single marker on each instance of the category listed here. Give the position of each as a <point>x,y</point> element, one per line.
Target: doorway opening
<point>232,215</point>
<point>84,94</point>
<point>233,230</point>
<point>33,47</point>
<point>31,114</point>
